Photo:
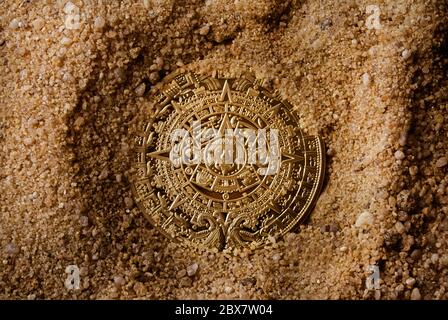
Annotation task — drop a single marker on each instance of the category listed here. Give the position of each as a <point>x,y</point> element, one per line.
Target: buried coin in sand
<point>222,162</point>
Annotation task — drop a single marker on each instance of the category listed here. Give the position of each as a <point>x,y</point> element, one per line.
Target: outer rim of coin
<point>297,221</point>
<point>318,188</point>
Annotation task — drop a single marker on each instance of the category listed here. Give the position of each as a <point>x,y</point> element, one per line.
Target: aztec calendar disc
<point>222,162</point>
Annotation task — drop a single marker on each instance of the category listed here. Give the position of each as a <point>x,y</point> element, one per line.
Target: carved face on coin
<point>222,162</point>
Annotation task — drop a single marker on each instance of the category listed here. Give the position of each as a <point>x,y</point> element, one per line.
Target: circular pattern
<point>223,162</point>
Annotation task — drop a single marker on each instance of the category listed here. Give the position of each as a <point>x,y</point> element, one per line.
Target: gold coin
<point>222,162</point>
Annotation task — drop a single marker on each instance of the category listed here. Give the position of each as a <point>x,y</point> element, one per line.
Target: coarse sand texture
<point>74,81</point>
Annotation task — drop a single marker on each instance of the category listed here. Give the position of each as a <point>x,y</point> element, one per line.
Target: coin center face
<point>223,162</point>
<point>217,165</point>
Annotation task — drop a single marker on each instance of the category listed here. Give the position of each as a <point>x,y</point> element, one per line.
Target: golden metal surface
<point>219,204</point>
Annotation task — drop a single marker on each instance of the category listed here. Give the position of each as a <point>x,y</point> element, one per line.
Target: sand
<point>72,88</point>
